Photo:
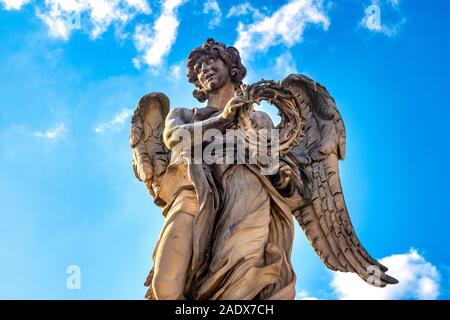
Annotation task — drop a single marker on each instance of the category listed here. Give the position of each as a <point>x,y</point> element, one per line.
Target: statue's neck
<point>218,99</point>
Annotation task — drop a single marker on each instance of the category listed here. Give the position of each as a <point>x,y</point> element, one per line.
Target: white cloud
<point>285,64</point>
<point>14,4</point>
<point>242,10</point>
<point>116,123</point>
<point>418,279</point>
<point>304,295</point>
<point>54,133</point>
<point>212,7</point>
<point>286,26</point>
<point>394,3</point>
<point>175,71</point>
<point>154,42</point>
<point>95,17</point>
<point>373,18</point>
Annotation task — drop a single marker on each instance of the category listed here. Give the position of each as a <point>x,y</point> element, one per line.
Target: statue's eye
<point>197,68</point>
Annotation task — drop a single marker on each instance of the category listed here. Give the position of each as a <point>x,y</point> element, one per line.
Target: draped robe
<point>243,231</point>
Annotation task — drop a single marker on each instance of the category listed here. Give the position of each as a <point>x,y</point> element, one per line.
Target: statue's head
<point>211,66</point>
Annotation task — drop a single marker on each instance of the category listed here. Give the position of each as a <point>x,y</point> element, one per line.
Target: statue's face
<point>212,73</point>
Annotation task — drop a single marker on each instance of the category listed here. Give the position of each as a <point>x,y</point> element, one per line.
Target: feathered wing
<point>325,218</point>
<point>150,156</point>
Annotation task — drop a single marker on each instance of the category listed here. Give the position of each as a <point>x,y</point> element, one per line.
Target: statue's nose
<point>205,67</point>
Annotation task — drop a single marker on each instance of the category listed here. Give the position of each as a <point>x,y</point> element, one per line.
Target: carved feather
<point>150,156</point>
<point>325,220</point>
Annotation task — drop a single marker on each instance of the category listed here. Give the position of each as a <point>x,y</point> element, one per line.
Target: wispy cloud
<point>212,7</point>
<point>284,26</point>
<point>244,9</point>
<point>175,71</point>
<point>373,19</point>
<point>394,3</point>
<point>13,4</point>
<point>304,295</point>
<point>53,133</point>
<point>154,42</point>
<point>116,123</point>
<point>285,64</point>
<point>63,17</point>
<point>418,279</point>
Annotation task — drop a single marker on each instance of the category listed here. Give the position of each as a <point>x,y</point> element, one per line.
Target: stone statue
<point>229,225</point>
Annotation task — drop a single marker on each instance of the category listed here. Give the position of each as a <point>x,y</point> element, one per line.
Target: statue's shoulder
<point>261,120</point>
<point>181,113</point>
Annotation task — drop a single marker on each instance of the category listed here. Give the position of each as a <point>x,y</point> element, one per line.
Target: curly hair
<point>230,55</point>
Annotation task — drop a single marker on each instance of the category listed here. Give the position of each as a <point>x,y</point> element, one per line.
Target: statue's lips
<point>211,77</point>
<point>211,80</point>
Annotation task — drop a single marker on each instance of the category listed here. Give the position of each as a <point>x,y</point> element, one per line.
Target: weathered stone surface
<point>228,231</point>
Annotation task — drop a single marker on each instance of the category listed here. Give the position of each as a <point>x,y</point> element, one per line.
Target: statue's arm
<point>178,125</point>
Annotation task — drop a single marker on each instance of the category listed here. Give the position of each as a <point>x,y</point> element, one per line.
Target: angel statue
<point>229,225</point>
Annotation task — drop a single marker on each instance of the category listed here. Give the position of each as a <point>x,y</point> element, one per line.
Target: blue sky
<point>68,193</point>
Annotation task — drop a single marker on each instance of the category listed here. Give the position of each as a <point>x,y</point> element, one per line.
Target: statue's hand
<point>230,110</point>
<point>282,179</point>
